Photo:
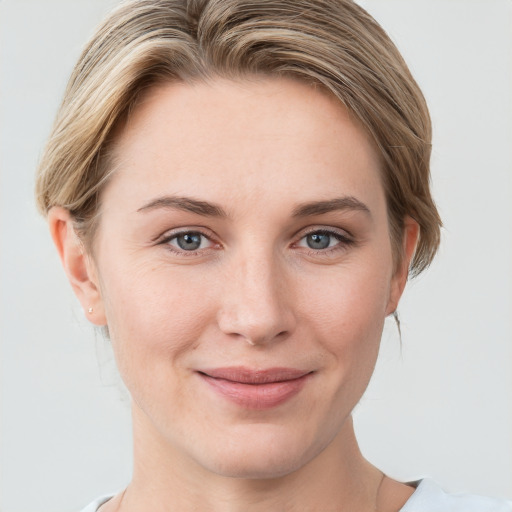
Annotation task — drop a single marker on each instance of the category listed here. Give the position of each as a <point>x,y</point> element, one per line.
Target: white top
<point>428,497</point>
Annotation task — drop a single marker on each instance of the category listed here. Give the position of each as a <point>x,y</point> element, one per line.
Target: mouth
<point>255,389</point>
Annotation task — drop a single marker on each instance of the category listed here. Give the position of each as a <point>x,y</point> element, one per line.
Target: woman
<point>238,191</point>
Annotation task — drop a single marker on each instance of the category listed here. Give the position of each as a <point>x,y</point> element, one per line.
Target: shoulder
<point>96,504</point>
<point>430,497</point>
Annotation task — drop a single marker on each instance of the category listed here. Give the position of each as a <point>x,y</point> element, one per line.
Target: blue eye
<point>318,240</point>
<point>189,241</point>
<point>322,239</point>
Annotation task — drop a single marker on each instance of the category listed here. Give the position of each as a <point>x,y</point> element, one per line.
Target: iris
<point>318,240</point>
<point>189,241</point>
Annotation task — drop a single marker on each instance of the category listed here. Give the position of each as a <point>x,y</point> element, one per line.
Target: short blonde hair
<point>332,43</point>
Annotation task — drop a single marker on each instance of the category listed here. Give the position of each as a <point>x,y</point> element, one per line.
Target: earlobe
<point>77,264</point>
<point>399,280</point>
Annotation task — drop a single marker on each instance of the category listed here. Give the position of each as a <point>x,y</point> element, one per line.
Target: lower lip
<point>257,396</point>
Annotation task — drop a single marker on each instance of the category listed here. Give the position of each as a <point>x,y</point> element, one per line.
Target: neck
<point>339,478</point>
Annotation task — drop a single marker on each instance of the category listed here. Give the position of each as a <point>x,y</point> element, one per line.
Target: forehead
<point>234,138</point>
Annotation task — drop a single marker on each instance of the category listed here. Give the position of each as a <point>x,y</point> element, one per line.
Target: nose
<point>256,303</point>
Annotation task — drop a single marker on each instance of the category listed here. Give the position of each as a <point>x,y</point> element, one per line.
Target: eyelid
<point>339,232</point>
<point>344,238</point>
<point>172,234</point>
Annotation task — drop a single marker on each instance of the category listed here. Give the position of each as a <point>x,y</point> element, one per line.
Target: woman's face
<point>244,269</point>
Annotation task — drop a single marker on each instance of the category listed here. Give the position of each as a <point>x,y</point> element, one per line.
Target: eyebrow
<point>208,209</point>
<point>331,205</point>
<point>187,204</point>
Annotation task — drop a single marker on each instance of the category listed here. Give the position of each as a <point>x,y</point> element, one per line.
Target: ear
<point>78,265</point>
<point>399,280</point>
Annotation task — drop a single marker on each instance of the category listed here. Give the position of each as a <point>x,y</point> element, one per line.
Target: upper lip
<point>254,376</point>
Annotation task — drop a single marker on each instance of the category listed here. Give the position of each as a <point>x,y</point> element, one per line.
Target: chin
<point>257,467</point>
<point>263,453</point>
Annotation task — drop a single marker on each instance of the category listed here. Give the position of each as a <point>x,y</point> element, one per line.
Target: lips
<point>255,389</point>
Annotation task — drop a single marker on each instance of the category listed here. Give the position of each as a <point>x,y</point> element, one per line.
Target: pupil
<point>318,241</point>
<point>189,241</point>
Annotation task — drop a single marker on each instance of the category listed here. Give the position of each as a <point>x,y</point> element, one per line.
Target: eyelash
<point>344,241</point>
<point>343,238</point>
<point>182,252</point>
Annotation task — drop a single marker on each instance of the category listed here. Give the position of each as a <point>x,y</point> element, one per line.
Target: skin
<point>254,294</point>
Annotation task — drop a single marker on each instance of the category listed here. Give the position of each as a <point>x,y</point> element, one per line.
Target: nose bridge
<point>256,303</point>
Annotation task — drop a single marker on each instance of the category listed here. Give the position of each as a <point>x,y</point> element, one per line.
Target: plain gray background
<point>440,407</point>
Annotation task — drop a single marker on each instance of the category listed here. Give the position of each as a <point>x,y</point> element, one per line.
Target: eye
<point>323,239</point>
<point>188,241</point>
<point>318,240</point>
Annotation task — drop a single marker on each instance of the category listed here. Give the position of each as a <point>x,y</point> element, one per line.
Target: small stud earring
<point>90,310</point>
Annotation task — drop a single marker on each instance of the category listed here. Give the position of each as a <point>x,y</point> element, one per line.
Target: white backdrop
<point>440,407</point>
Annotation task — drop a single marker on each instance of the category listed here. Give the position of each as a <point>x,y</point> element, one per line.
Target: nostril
<point>258,315</point>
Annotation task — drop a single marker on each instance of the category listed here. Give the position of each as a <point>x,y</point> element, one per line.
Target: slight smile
<point>256,389</point>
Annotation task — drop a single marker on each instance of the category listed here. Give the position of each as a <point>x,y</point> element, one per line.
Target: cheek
<point>154,317</point>
<point>349,299</point>
<point>347,315</point>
